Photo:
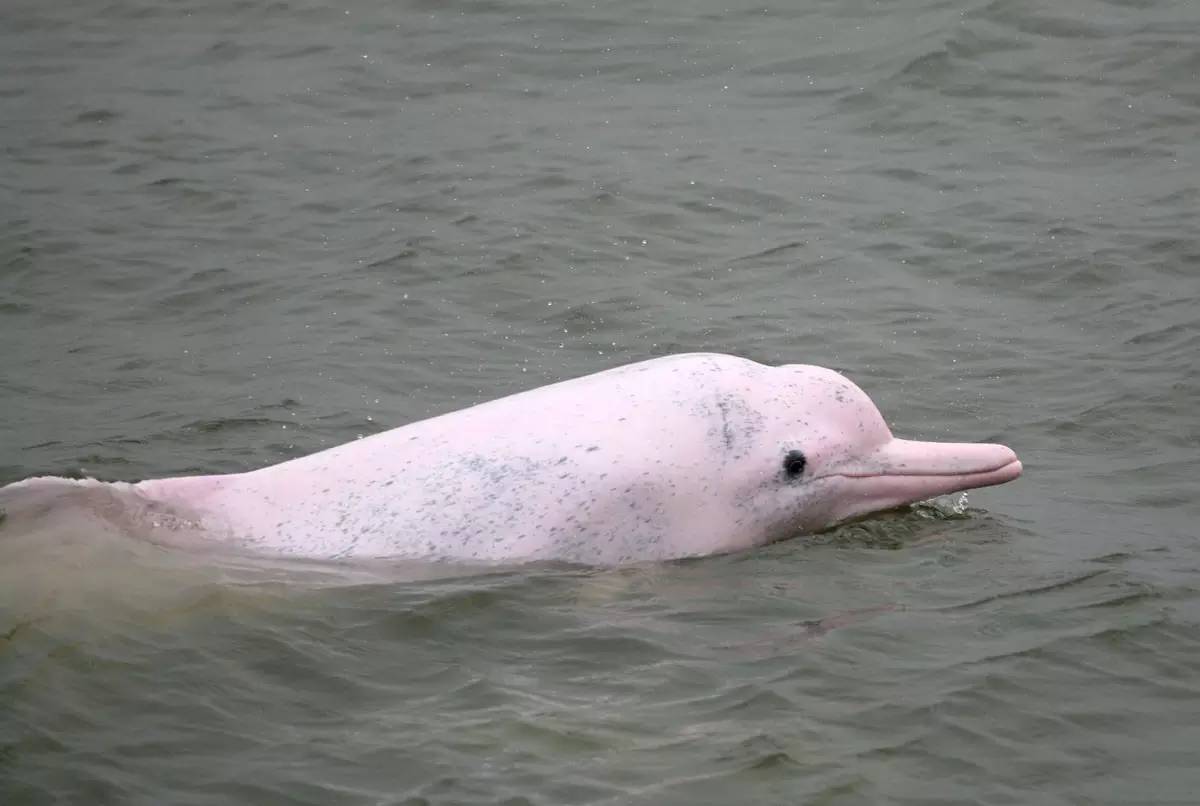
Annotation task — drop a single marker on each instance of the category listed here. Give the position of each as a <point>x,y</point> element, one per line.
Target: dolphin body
<point>680,456</point>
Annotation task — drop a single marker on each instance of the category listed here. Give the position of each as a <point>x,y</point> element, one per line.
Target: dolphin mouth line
<point>901,473</point>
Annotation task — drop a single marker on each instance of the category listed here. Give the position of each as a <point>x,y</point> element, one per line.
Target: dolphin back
<point>26,503</point>
<point>53,503</point>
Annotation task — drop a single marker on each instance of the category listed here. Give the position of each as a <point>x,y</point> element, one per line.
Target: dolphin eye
<point>793,464</point>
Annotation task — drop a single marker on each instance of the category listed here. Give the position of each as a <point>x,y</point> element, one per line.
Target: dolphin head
<point>831,458</point>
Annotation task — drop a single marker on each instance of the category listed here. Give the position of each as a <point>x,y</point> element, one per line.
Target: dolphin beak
<point>904,472</point>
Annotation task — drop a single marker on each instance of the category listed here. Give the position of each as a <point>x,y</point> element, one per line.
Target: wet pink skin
<point>678,456</point>
<point>905,471</point>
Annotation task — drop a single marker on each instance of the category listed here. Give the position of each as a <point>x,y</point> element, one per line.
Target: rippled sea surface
<point>232,233</point>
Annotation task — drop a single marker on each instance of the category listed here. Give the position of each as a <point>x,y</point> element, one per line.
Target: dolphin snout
<point>906,471</point>
<point>903,457</point>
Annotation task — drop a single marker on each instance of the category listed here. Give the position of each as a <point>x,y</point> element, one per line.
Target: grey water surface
<point>232,233</point>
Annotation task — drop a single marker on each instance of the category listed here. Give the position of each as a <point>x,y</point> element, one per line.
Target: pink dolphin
<point>685,455</point>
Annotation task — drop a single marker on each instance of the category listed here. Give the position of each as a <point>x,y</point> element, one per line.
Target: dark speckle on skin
<point>726,431</point>
<point>734,424</point>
